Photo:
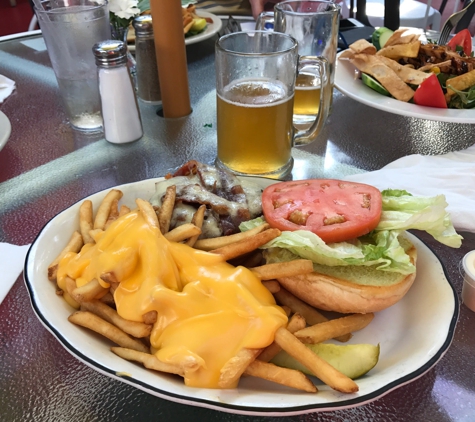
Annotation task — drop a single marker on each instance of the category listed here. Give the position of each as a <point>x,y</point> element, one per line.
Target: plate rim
<point>356,90</point>
<point>4,134</point>
<point>229,407</point>
<point>214,28</point>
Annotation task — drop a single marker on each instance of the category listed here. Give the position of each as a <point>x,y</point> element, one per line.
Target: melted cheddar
<point>208,310</point>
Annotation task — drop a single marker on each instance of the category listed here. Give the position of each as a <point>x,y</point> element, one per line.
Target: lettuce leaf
<point>383,247</point>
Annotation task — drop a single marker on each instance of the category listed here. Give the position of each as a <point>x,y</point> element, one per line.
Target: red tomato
<point>429,93</point>
<point>332,209</point>
<point>464,40</point>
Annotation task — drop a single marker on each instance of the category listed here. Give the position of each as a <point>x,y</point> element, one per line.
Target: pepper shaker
<point>148,85</point>
<point>120,111</point>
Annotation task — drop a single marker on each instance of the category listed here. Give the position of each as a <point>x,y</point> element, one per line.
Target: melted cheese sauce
<point>208,310</point>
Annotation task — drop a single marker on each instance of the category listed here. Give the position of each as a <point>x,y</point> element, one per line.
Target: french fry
<point>108,299</point>
<point>134,328</point>
<point>150,317</point>
<point>334,328</point>
<point>183,232</point>
<point>197,220</point>
<point>94,233</point>
<point>296,323</point>
<point>166,210</point>
<point>147,360</point>
<point>235,367</point>
<point>109,277</point>
<point>85,221</point>
<point>320,368</point>
<point>74,245</point>
<point>93,322</point>
<point>148,212</point>
<point>124,209</point>
<point>113,287</point>
<point>104,208</point>
<point>284,269</point>
<point>247,245</point>
<point>311,315</point>
<point>89,291</point>
<point>70,286</point>
<point>219,242</point>
<point>253,259</point>
<point>113,214</point>
<point>288,377</point>
<point>272,285</point>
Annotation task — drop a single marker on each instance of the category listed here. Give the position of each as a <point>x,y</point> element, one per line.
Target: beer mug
<point>314,24</point>
<point>255,84</point>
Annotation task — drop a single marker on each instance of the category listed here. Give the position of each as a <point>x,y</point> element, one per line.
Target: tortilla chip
<point>384,75</point>
<point>363,47</point>
<point>346,54</point>
<point>395,37</point>
<point>407,74</point>
<point>440,65</point>
<point>399,51</point>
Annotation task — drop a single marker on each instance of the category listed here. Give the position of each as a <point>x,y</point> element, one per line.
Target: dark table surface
<point>45,167</point>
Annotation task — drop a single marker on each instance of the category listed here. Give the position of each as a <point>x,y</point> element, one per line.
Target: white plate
<point>413,334</point>
<point>211,29</point>
<point>5,130</point>
<point>346,83</point>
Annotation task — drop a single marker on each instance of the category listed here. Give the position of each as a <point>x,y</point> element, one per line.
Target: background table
<point>45,167</point>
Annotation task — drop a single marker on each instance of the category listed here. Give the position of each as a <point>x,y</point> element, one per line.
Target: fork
<point>452,21</point>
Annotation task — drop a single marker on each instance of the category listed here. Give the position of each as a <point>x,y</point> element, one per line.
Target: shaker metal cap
<point>143,25</point>
<point>110,53</point>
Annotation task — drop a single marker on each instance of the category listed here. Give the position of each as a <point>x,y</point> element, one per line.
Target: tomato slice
<point>462,39</point>
<point>429,93</point>
<point>332,209</point>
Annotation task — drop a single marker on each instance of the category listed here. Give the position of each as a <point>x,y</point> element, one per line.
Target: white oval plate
<point>346,83</point>
<point>211,29</point>
<point>414,334</point>
<point>5,130</point>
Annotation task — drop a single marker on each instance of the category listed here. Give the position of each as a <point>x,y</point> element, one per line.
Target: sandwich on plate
<point>355,236</point>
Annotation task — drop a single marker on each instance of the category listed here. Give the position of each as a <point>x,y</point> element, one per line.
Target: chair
<point>393,14</point>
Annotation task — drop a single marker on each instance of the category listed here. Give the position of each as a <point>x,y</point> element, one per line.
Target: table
<point>46,167</point>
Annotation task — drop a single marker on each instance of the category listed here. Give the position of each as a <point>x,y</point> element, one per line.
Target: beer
<point>307,97</point>
<point>255,126</point>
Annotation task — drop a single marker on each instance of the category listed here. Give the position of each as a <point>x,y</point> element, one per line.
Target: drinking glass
<point>314,24</point>
<point>70,28</point>
<point>255,83</point>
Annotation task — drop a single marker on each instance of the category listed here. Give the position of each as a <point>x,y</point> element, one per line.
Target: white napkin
<point>452,174</point>
<point>6,87</point>
<point>12,259</point>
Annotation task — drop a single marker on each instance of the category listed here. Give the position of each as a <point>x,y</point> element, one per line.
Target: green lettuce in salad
<point>382,248</point>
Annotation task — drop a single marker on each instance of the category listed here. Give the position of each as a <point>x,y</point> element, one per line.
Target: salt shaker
<point>148,86</point>
<point>120,111</point>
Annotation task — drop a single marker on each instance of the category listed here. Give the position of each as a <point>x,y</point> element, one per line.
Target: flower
<point>121,14</point>
<point>124,9</point>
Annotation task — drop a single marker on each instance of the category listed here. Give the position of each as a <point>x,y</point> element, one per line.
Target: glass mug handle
<point>262,19</point>
<point>304,137</point>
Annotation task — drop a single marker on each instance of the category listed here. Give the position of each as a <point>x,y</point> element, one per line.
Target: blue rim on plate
<point>267,399</point>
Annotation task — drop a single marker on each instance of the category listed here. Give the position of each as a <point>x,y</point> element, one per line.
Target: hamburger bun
<point>350,289</point>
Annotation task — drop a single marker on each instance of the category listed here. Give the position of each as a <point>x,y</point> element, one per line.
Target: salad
<point>397,64</point>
